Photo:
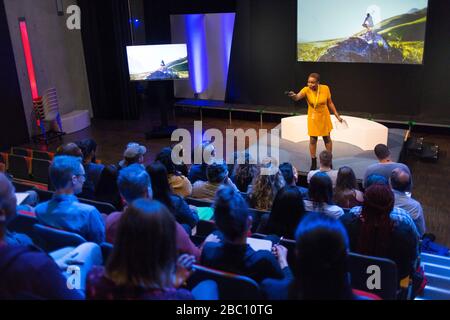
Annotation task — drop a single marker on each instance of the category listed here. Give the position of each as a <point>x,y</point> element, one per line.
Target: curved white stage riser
<point>362,133</point>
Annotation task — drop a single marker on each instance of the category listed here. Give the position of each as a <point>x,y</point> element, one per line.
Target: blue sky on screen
<point>148,58</point>
<point>334,19</point>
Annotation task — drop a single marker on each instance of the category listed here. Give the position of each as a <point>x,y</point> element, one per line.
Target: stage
<point>344,153</point>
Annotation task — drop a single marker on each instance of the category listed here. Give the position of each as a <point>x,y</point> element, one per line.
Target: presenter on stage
<point>318,97</point>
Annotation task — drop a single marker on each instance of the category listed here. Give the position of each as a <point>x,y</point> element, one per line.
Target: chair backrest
<point>231,286</point>
<point>21,151</point>
<point>39,170</point>
<point>205,228</point>
<point>19,166</point>
<point>374,275</point>
<point>51,239</point>
<point>256,215</point>
<point>43,155</point>
<point>23,222</point>
<point>102,207</point>
<point>198,203</point>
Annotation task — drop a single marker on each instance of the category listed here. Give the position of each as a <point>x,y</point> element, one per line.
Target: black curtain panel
<point>13,124</point>
<point>106,32</point>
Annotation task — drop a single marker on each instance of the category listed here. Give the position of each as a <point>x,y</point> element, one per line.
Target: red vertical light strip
<point>28,58</point>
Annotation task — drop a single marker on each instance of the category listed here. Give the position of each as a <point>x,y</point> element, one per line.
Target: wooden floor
<point>431,180</point>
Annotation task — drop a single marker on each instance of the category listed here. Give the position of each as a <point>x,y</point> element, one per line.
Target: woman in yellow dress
<point>320,104</point>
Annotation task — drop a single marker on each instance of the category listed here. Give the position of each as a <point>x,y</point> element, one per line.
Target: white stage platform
<point>361,133</point>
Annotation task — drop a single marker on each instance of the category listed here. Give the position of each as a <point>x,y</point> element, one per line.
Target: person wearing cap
<point>134,153</point>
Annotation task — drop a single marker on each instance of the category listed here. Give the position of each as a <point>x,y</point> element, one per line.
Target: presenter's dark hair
<point>315,76</point>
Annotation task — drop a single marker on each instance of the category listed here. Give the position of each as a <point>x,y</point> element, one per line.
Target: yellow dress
<point>319,118</point>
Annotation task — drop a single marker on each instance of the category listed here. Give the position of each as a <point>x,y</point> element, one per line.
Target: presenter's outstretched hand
<point>291,94</point>
<point>339,119</point>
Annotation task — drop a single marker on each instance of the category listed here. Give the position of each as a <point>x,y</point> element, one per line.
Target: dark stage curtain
<point>106,33</point>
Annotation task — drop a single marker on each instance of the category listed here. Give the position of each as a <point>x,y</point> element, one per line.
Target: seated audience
<point>93,170</point>
<point>375,231</point>
<point>244,172</point>
<point>346,193</point>
<point>397,213</point>
<point>232,253</point>
<point>64,211</point>
<point>134,153</point>
<point>321,196</point>
<point>290,175</point>
<point>134,183</point>
<point>198,171</point>
<point>26,271</point>
<point>326,164</point>
<point>287,211</point>
<point>183,214</point>
<point>143,264</point>
<point>265,187</point>
<point>107,189</point>
<point>401,183</point>
<point>321,271</point>
<point>179,184</point>
<point>217,173</point>
<point>385,165</point>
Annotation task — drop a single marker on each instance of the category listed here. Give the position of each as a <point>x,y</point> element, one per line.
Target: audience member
<point>375,231</point>
<point>265,187</point>
<point>179,184</point>
<point>233,254</point>
<point>107,189</point>
<point>401,183</point>
<point>287,211</point>
<point>244,172</point>
<point>346,193</point>
<point>144,259</point>
<point>385,164</point>
<point>134,183</point>
<point>26,271</point>
<point>321,271</point>
<point>326,164</point>
<point>93,170</point>
<point>198,171</point>
<point>321,196</point>
<point>64,211</point>
<point>183,214</point>
<point>290,175</point>
<point>134,153</point>
<point>217,173</point>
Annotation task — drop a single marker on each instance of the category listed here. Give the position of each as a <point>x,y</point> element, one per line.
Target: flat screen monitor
<point>158,62</point>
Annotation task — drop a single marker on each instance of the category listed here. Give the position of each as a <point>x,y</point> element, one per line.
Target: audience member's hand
<point>184,269</point>
<point>281,253</point>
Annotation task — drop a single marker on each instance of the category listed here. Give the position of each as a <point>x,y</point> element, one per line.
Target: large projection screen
<point>361,31</point>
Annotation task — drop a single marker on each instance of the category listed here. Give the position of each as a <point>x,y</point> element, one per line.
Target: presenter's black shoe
<point>313,164</point>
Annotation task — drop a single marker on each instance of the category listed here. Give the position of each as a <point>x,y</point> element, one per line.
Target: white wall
<point>58,55</point>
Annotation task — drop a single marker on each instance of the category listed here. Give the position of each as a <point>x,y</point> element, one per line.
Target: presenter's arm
<point>332,108</point>
<point>296,96</point>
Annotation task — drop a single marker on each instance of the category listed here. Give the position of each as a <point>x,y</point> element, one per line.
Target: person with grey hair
<point>64,211</point>
<point>134,153</point>
<point>401,182</point>
<point>26,272</point>
<point>217,174</point>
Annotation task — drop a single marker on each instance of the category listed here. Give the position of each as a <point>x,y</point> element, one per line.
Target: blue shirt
<point>385,170</point>
<point>67,213</point>
<point>413,208</point>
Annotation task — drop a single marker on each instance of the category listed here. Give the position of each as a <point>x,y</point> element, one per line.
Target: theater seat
<point>19,166</point>
<point>21,152</point>
<point>23,222</point>
<point>360,273</point>
<point>43,155</point>
<point>39,170</point>
<point>102,207</point>
<point>231,286</point>
<point>51,239</point>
